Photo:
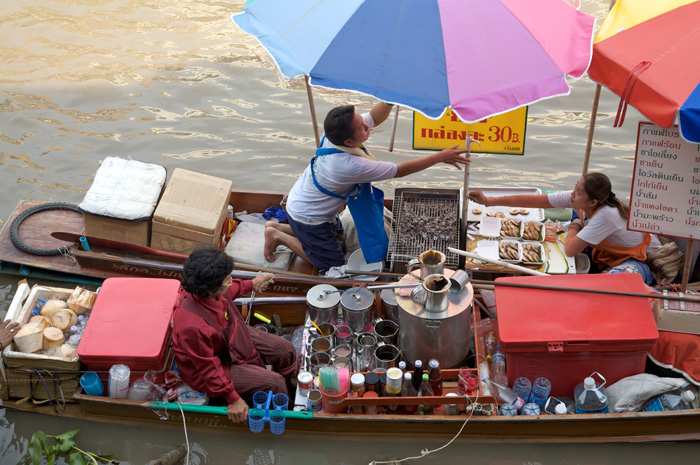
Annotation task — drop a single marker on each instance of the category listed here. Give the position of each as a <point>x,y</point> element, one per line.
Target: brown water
<point>177,84</point>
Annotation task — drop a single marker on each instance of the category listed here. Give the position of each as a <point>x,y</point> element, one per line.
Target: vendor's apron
<point>366,204</point>
<point>607,255</point>
<point>241,352</point>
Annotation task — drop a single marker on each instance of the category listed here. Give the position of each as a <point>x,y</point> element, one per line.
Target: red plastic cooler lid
<point>130,320</point>
<point>536,316</point>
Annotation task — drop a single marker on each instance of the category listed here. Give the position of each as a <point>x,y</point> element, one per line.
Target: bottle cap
<point>408,376</point>
<point>419,364</point>
<point>433,363</point>
<point>560,409</point>
<point>357,379</point>
<point>371,378</point>
<point>688,396</point>
<point>425,376</point>
<point>589,383</point>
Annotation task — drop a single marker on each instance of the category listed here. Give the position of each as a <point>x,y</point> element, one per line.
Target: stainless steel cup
<point>429,262</point>
<point>321,344</point>
<point>343,335</point>
<point>458,281</point>
<point>343,350</point>
<point>386,356</point>
<point>433,293</point>
<point>317,361</point>
<point>387,331</point>
<point>343,362</point>
<point>364,351</point>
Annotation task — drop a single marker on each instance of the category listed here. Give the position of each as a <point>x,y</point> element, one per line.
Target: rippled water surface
<point>176,83</point>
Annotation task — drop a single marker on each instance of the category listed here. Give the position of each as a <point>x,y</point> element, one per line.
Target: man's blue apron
<point>366,205</point>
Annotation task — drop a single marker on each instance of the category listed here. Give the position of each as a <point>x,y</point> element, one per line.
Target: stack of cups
<point>119,381</point>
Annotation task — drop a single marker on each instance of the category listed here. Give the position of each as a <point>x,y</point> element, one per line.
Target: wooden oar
<point>491,284</point>
<point>117,245</point>
<point>522,269</point>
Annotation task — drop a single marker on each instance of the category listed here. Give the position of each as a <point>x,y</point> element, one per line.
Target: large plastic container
<point>130,324</point>
<point>567,335</point>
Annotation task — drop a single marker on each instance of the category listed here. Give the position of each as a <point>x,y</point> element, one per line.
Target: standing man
<point>342,162</point>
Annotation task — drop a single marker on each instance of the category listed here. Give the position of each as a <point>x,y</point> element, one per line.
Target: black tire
<point>14,228</point>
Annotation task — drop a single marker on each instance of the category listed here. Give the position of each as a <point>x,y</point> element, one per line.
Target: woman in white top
<point>601,224</point>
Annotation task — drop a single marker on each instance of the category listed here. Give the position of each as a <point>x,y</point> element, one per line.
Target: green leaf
<point>52,458</point>
<point>76,458</point>
<point>35,448</point>
<point>66,440</point>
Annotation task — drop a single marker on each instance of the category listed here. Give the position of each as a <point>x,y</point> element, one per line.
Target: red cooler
<point>130,324</point>
<point>567,335</point>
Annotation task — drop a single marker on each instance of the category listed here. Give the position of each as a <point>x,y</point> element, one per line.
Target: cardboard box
<point>22,381</point>
<point>565,336</point>
<point>130,324</point>
<point>676,315</point>
<point>191,212</point>
<point>133,232</point>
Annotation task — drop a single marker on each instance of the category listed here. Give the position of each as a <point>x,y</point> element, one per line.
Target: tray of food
<point>476,211</point>
<point>532,253</point>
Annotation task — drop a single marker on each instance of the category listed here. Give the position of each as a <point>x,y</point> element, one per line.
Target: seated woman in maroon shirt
<point>216,352</point>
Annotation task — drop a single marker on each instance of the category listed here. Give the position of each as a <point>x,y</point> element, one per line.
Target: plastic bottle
<point>531,408</point>
<point>498,362</point>
<point>591,397</point>
<point>522,386</point>
<point>425,391</point>
<point>417,374</point>
<point>435,376</point>
<point>490,343</point>
<point>503,392</point>
<point>559,406</point>
<point>508,410</point>
<point>402,366</point>
<point>408,391</point>
<point>677,400</point>
<point>540,391</point>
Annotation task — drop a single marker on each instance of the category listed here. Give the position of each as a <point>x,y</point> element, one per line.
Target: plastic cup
<point>280,401</point>
<point>92,384</point>
<point>256,420</point>
<point>277,419</point>
<point>467,382</point>
<point>260,400</point>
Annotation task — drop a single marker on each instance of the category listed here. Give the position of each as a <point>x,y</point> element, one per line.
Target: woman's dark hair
<point>205,269</point>
<point>338,124</point>
<point>598,187</point>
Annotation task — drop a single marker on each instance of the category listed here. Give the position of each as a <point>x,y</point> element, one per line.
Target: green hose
<point>220,410</point>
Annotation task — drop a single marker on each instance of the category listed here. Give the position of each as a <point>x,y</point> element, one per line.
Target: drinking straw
<point>344,379</point>
<point>319,329</point>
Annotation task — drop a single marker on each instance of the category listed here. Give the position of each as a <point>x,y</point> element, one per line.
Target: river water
<point>176,83</point>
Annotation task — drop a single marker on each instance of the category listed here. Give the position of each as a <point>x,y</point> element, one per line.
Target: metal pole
<point>313,111</point>
<point>393,129</point>
<point>591,129</point>
<point>465,202</point>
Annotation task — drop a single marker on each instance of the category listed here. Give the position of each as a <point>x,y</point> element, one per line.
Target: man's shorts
<point>323,243</point>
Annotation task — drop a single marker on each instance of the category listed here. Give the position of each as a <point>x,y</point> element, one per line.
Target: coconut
<point>52,306</point>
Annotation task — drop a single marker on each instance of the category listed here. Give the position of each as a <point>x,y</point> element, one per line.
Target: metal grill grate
<point>424,220</point>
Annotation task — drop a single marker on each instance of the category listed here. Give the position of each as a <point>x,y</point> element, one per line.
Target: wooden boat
<point>482,426</point>
<point>79,265</point>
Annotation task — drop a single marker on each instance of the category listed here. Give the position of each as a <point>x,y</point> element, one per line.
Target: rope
<point>31,390</point>
<point>471,407</point>
<point>184,425</point>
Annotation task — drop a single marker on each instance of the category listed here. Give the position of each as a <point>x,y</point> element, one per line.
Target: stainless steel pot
<point>322,301</point>
<point>357,304</point>
<point>442,335</point>
<point>389,306</point>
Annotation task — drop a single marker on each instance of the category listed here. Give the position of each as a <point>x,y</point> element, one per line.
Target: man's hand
<point>238,411</point>
<point>262,281</point>
<point>478,197</point>
<point>453,156</point>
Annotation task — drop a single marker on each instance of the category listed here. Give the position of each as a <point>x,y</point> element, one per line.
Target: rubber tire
<point>14,228</point>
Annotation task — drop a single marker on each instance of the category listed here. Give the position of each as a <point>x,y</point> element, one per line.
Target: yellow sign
<point>504,133</point>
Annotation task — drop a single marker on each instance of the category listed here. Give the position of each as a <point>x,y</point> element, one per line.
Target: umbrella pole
<point>313,110</point>
<point>465,202</point>
<point>591,129</point>
<point>393,129</point>
<point>686,265</point>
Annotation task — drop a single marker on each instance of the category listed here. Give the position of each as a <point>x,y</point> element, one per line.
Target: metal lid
<point>457,302</point>
<point>323,296</point>
<point>388,297</point>
<point>357,298</point>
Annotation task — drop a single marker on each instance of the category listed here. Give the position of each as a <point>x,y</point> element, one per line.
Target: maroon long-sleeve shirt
<point>196,343</point>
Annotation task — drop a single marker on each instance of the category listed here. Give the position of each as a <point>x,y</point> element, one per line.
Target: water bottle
<point>560,406</point>
<point>522,386</point>
<point>540,391</point>
<point>498,362</point>
<point>531,408</point>
<point>490,343</point>
<point>508,410</point>
<point>590,396</point>
<point>503,392</point>
<point>677,400</point>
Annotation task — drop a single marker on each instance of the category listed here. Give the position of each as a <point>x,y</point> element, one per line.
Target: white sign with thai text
<point>665,196</point>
